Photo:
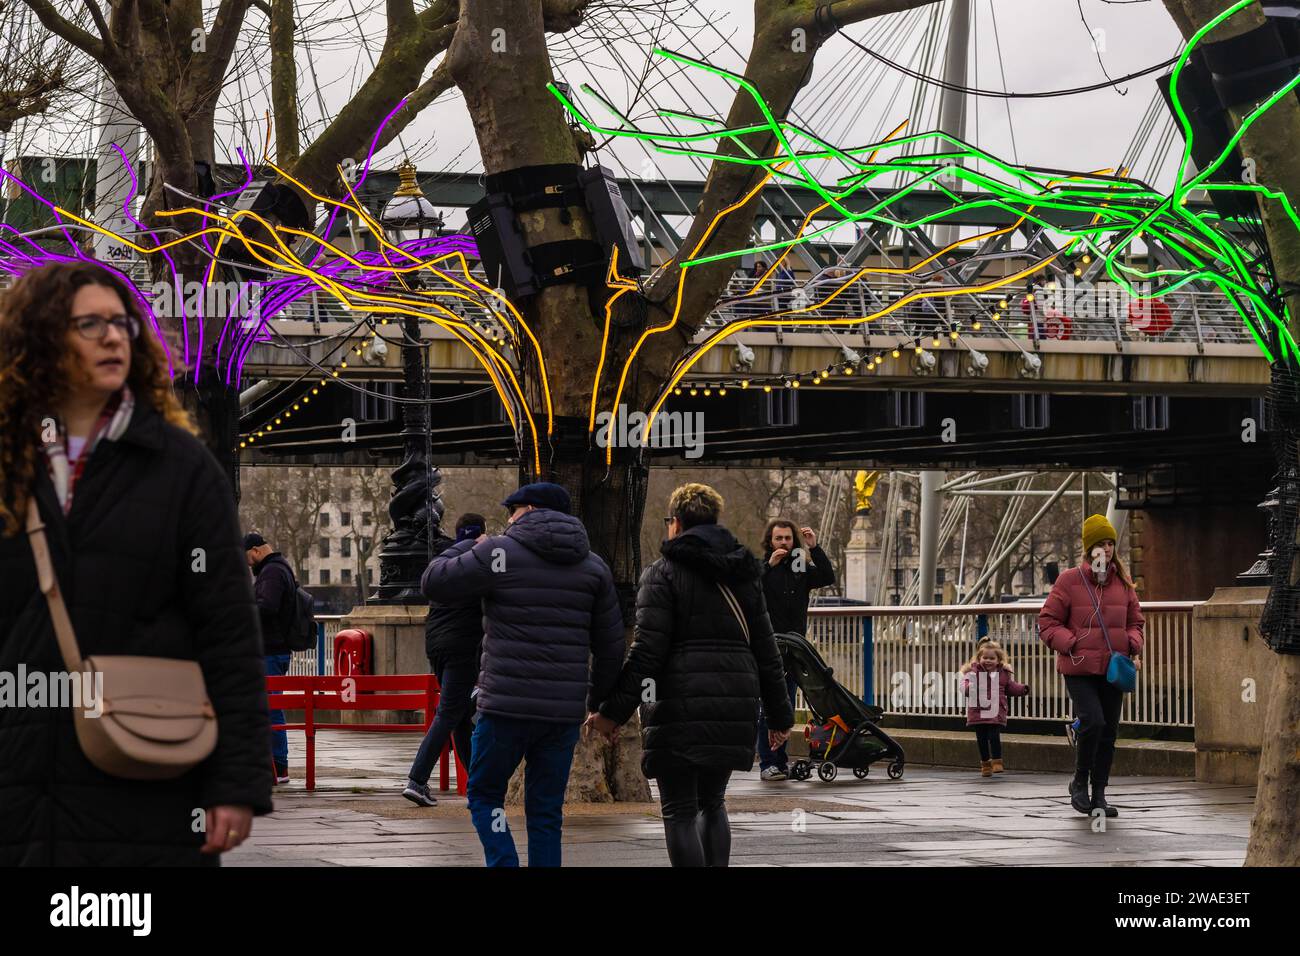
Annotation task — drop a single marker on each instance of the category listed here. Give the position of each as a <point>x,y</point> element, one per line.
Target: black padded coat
<point>552,627</point>
<point>150,562</point>
<point>697,680</point>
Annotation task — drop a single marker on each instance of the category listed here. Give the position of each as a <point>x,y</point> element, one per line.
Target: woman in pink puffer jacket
<point>1071,624</point>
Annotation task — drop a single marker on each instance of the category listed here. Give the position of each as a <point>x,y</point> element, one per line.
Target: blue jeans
<point>767,757</point>
<point>452,718</point>
<point>277,665</point>
<point>498,746</point>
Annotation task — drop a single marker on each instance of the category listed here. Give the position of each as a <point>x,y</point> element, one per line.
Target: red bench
<point>310,693</point>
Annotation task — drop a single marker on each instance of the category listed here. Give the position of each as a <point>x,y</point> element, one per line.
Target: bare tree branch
<point>844,12</point>
<point>221,46</point>
<point>284,82</point>
<point>60,27</point>
<point>402,62</point>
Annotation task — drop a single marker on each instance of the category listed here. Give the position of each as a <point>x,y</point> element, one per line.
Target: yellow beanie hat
<point>1096,528</point>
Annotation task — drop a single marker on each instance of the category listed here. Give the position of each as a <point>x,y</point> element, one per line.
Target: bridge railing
<point>908,659</point>
<point>1103,314</point>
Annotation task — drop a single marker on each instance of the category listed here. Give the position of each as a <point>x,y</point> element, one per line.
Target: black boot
<point>1079,793</point>
<point>1099,802</point>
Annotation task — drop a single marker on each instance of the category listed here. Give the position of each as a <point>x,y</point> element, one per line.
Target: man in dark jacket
<point>276,591</point>
<point>549,606</point>
<point>453,634</point>
<point>789,576</point>
<point>698,668</point>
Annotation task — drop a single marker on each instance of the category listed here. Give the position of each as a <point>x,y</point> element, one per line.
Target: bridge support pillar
<point>931,513</point>
<point>1183,553</point>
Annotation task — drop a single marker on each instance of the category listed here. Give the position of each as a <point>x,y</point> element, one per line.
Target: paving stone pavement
<point>934,816</point>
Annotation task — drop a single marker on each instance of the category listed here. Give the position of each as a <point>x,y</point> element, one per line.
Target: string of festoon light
<point>356,347</point>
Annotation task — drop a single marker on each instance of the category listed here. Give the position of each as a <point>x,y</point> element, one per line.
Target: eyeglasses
<point>668,519</point>
<point>96,326</point>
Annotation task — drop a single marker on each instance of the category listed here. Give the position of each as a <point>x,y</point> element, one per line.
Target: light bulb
<point>896,353</point>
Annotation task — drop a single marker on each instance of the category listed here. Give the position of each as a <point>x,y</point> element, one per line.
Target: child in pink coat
<point>987,684</point>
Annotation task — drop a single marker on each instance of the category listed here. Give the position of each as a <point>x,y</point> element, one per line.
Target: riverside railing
<point>908,659</point>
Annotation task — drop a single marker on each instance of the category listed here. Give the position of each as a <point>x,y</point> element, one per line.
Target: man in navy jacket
<point>552,649</point>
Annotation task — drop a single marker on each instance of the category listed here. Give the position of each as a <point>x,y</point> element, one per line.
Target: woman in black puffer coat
<point>703,657</point>
<point>145,544</point>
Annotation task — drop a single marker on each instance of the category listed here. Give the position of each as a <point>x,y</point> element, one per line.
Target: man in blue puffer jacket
<point>552,649</point>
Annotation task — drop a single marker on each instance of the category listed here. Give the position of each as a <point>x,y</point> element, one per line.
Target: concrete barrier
<point>1232,673</point>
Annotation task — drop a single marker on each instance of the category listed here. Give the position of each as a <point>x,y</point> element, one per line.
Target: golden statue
<point>865,483</point>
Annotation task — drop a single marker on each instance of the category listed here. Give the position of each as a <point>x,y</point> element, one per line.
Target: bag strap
<point>1101,618</point>
<point>735,607</point>
<point>49,585</point>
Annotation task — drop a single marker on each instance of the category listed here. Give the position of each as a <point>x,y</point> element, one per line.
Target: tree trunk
<point>1270,142</point>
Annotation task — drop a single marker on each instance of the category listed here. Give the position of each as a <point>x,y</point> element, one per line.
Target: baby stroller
<point>843,731</point>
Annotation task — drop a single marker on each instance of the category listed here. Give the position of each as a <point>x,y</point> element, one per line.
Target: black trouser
<point>695,816</point>
<point>1097,703</point>
<point>454,717</point>
<point>989,737</point>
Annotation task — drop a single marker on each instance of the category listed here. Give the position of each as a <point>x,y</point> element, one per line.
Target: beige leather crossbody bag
<point>156,721</point>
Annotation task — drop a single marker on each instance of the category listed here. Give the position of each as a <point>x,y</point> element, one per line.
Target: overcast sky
<point>850,100</point>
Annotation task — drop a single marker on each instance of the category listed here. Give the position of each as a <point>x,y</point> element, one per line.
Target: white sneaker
<point>773,773</point>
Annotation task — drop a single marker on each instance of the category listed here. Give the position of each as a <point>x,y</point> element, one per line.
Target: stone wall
<point>1232,673</point>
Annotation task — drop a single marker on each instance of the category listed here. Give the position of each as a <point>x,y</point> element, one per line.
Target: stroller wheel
<point>826,771</point>
<point>895,770</point>
<point>801,770</point>
<point>861,772</point>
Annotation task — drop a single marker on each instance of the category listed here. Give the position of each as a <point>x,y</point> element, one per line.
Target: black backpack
<point>301,632</point>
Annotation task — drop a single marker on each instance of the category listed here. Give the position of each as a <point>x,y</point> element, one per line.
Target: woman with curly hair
<point>145,547</point>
